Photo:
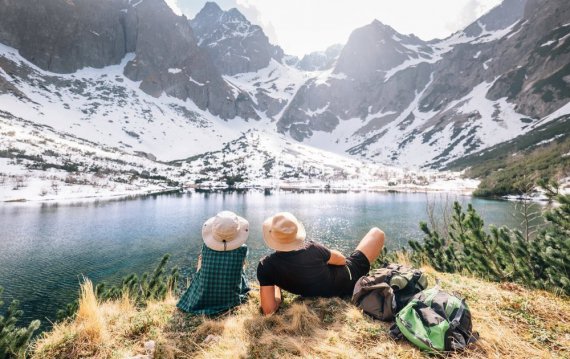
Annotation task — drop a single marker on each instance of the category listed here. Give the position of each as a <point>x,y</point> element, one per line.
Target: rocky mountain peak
<point>381,27</point>
<point>211,7</point>
<point>235,44</point>
<point>320,60</point>
<point>376,48</point>
<point>236,15</point>
<point>210,13</point>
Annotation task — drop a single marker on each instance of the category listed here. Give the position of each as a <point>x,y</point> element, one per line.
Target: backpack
<point>385,291</point>
<point>435,321</point>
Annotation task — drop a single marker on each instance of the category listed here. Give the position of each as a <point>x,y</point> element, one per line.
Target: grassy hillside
<point>544,152</point>
<point>513,322</point>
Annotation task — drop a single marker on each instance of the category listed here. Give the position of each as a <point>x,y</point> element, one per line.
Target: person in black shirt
<point>307,268</point>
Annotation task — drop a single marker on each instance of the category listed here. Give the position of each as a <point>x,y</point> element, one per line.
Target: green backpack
<point>435,321</point>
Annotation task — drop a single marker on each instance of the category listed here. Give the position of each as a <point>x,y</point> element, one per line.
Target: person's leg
<point>372,243</point>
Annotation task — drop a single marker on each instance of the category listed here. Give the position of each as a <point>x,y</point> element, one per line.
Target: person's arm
<point>337,258</point>
<point>270,296</point>
<point>330,256</point>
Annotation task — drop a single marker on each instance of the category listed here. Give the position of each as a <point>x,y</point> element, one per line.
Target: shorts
<point>345,277</point>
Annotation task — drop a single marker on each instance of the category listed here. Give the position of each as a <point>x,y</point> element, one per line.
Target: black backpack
<point>385,291</point>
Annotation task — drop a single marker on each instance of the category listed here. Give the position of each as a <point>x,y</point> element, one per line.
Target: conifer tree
<point>502,254</point>
<point>13,339</point>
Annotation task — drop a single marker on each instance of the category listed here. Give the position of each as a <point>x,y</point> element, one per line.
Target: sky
<point>303,26</point>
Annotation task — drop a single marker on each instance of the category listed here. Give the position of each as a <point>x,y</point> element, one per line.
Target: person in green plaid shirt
<point>220,283</point>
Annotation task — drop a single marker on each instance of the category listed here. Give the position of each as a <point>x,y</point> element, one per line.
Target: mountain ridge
<point>386,98</point>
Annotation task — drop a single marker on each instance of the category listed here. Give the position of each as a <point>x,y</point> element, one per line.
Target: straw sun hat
<point>283,232</point>
<point>225,231</point>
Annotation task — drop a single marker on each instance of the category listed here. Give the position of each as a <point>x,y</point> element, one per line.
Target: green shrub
<point>502,254</point>
<point>14,340</point>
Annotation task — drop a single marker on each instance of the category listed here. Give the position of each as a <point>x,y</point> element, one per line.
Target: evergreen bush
<point>502,254</point>
<point>14,340</point>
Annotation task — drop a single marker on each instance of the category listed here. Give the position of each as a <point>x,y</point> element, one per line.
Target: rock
<point>211,338</point>
<point>150,348</point>
<point>147,155</point>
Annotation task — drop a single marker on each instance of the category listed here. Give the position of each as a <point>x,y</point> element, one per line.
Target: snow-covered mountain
<point>63,37</point>
<point>400,100</point>
<point>132,75</point>
<point>94,133</point>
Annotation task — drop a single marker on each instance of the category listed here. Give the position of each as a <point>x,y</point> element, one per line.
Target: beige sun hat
<point>225,231</point>
<point>283,232</point>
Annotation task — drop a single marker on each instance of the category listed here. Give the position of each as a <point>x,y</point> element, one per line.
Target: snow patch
<point>174,71</point>
<point>488,36</point>
<point>544,142</point>
<point>196,82</point>
<point>317,111</point>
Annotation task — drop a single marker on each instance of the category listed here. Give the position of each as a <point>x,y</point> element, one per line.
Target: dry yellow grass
<point>91,329</point>
<point>513,322</point>
<point>108,330</point>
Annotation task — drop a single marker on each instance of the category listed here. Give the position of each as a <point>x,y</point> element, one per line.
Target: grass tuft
<point>91,327</point>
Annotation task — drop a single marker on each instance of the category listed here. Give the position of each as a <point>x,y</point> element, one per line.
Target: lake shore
<point>78,193</point>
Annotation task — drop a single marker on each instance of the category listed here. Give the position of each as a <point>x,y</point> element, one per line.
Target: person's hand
<point>199,265</point>
<point>270,297</point>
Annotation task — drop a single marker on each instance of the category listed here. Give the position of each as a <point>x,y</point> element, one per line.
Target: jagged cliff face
<point>234,43</point>
<point>60,36</point>
<point>538,81</point>
<point>169,60</point>
<point>63,36</point>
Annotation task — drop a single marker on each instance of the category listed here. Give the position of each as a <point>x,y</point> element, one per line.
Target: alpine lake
<point>47,248</point>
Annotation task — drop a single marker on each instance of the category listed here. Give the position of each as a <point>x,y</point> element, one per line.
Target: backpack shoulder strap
<point>395,332</point>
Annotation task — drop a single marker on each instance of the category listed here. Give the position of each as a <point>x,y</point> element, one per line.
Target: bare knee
<point>377,233</point>
<point>372,244</point>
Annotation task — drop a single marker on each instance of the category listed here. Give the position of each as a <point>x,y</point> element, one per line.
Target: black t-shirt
<point>304,271</point>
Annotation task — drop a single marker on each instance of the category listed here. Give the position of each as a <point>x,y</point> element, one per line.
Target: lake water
<point>46,248</point>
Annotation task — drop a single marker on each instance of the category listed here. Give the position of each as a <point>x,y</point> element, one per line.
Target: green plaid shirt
<point>219,285</point>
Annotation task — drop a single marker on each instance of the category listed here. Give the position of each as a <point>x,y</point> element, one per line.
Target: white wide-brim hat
<point>283,232</point>
<point>225,231</point>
